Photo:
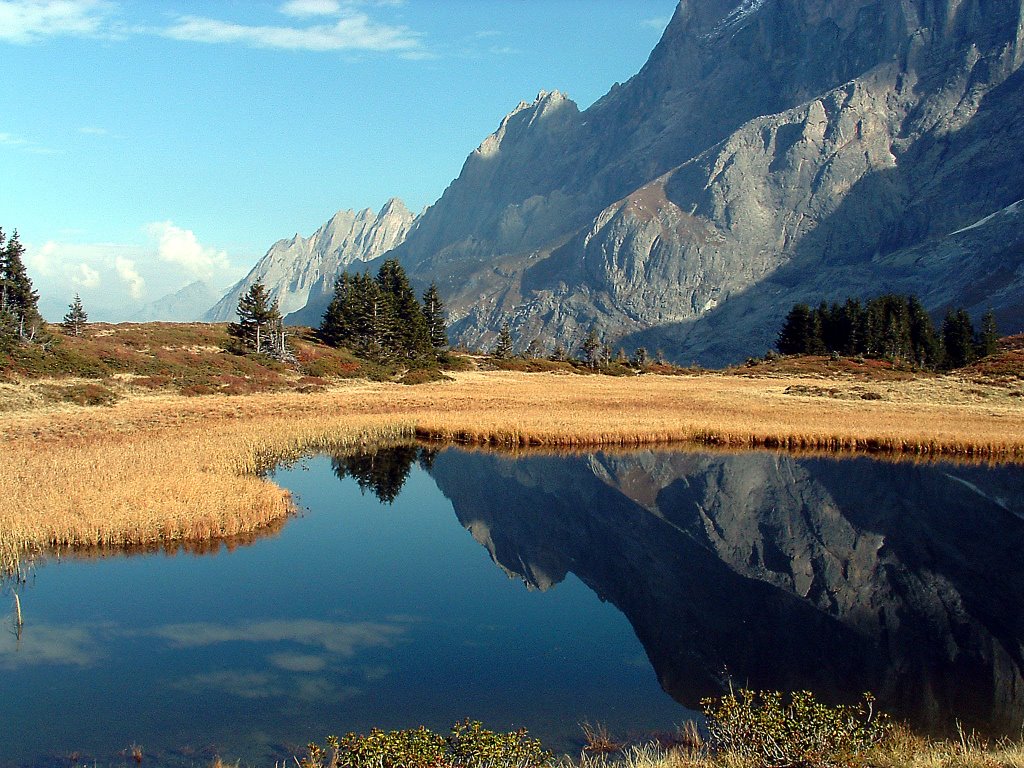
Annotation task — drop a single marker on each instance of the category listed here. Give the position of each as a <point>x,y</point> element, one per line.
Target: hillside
<point>128,359</point>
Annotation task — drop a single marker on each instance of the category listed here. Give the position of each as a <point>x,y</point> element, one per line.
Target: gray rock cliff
<point>767,148</point>
<point>302,270</point>
<point>768,152</point>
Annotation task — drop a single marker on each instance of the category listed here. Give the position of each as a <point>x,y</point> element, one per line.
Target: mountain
<point>769,151</point>
<point>301,270</point>
<point>778,572</point>
<point>183,306</point>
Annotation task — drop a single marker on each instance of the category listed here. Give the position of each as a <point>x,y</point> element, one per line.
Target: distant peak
<point>394,205</point>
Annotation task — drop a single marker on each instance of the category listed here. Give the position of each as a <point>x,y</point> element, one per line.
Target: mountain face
<point>770,151</point>
<point>301,270</point>
<point>184,306</point>
<point>777,572</point>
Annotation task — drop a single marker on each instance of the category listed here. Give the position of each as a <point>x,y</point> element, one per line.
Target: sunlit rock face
<point>301,270</point>
<point>778,572</point>
<point>768,152</point>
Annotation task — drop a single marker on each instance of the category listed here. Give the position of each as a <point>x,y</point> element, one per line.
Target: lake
<point>423,586</point>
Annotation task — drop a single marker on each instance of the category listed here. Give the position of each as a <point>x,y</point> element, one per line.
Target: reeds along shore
<point>164,469</point>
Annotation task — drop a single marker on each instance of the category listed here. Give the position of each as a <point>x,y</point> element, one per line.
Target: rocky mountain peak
<point>301,270</point>
<point>550,110</point>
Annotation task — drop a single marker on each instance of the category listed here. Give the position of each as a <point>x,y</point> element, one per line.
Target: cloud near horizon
<point>116,280</point>
<point>180,246</point>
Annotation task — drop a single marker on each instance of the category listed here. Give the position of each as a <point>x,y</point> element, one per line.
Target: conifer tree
<point>336,327</point>
<point>503,349</point>
<point>797,334</point>
<point>958,338</point>
<point>591,349</point>
<point>259,325</point>
<point>18,300</point>
<point>988,335</point>
<point>76,318</point>
<point>411,332</point>
<point>434,315</point>
<point>926,349</point>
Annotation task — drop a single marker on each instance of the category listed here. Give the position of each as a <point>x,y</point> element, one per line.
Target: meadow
<point>157,468</point>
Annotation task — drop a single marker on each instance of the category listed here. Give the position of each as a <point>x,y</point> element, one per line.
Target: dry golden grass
<point>905,752</point>
<point>164,468</point>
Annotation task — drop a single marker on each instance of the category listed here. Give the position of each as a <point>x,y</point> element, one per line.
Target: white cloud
<point>354,32</point>
<point>304,8</point>
<point>85,276</point>
<point>180,246</point>
<point>11,140</point>
<point>129,274</point>
<point>27,21</point>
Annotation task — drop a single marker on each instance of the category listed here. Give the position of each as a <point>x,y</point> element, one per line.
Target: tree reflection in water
<point>383,471</point>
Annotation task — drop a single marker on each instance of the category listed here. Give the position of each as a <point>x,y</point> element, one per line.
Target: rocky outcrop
<point>302,270</point>
<point>779,572</point>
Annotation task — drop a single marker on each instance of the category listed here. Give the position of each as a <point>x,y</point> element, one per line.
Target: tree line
<point>894,327</point>
<point>380,318</point>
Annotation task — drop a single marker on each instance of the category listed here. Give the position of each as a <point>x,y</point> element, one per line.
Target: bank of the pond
<point>152,469</point>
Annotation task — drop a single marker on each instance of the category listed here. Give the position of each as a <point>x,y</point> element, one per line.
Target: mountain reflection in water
<point>772,571</point>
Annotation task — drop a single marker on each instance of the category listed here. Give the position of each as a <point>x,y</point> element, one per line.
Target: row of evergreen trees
<point>380,317</point>
<point>19,303</point>
<point>893,327</point>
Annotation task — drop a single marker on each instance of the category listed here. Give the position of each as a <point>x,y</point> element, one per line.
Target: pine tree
<point>259,325</point>
<point>17,298</point>
<point>411,331</point>
<point>797,336</point>
<point>76,318</point>
<point>640,357</point>
<point>958,338</point>
<point>591,349</point>
<point>336,326</point>
<point>926,349</point>
<point>434,315</point>
<point>988,337</point>
<point>503,349</point>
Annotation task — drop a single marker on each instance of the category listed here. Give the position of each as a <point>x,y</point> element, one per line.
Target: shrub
<point>468,745</point>
<point>769,730</point>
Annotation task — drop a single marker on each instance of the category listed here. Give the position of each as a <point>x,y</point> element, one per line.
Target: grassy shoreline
<point>160,468</point>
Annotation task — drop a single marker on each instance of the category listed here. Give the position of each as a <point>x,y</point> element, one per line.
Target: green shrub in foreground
<point>468,745</point>
<point>794,731</point>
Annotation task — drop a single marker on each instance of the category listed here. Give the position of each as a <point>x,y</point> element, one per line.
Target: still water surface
<point>538,591</point>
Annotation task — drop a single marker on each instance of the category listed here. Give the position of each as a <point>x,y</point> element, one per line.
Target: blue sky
<point>147,144</point>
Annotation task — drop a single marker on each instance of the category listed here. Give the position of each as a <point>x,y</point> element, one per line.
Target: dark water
<point>538,591</point>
